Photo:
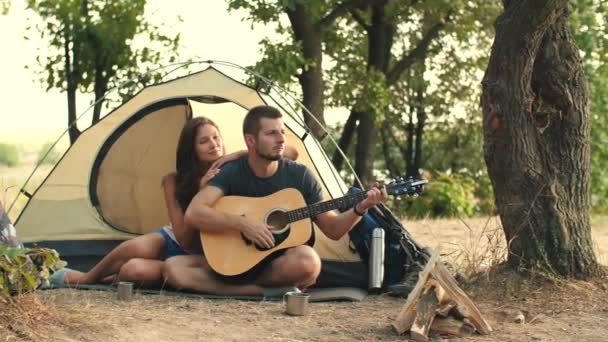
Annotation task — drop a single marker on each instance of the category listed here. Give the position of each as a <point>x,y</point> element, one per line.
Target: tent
<point>106,187</point>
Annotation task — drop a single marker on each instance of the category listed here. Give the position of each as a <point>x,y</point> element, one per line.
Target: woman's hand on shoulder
<point>168,179</point>
<point>228,158</point>
<point>208,176</point>
<point>290,153</point>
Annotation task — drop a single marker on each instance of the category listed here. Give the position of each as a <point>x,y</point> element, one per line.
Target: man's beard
<point>269,157</point>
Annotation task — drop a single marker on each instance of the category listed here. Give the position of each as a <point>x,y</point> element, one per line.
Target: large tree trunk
<point>380,36</point>
<point>366,148</point>
<point>414,170</point>
<point>345,139</point>
<point>309,35</point>
<point>536,139</point>
<point>100,88</point>
<point>389,161</point>
<point>72,86</point>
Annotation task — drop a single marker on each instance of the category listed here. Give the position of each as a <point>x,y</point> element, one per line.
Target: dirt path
<point>575,311</point>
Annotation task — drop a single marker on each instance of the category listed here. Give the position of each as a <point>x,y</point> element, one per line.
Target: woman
<point>200,154</point>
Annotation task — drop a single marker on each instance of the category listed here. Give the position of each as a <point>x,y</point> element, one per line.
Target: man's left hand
<point>375,195</point>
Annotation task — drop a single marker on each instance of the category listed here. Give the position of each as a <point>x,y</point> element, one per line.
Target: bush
<point>51,158</point>
<point>22,270</point>
<point>446,195</point>
<point>9,155</point>
<point>484,193</point>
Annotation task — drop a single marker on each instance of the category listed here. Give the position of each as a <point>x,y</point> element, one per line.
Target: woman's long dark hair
<point>189,168</point>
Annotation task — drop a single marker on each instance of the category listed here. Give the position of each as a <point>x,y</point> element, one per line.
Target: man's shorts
<point>171,246</point>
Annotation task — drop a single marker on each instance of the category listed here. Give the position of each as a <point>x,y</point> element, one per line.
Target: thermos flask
<point>376,261</point>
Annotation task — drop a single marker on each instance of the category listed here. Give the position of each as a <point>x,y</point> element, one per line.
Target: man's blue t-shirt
<point>237,179</point>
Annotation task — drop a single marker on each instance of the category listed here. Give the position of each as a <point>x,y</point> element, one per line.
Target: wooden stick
<point>444,309</point>
<point>426,309</point>
<point>452,326</point>
<point>405,319</point>
<point>465,305</point>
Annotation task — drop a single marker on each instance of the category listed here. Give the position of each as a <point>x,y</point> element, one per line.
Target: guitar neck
<point>321,207</point>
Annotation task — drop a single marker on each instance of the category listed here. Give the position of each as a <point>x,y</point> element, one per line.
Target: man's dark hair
<point>251,124</point>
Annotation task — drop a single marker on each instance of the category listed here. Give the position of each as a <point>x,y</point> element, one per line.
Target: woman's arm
<point>184,236</point>
<point>290,152</point>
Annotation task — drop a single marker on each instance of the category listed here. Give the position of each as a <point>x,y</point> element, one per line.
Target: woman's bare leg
<point>192,272</point>
<point>149,246</point>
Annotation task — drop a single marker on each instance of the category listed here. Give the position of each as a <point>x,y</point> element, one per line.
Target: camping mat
<point>352,294</point>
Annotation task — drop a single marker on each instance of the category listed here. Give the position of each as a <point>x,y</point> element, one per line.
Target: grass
<point>27,317</point>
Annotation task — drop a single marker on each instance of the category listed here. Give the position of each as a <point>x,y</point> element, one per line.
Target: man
<point>261,173</point>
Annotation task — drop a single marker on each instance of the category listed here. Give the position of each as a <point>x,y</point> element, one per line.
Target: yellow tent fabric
<point>107,185</point>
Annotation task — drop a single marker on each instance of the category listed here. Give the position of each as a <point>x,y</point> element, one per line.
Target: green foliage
<point>590,30</point>
<point>5,5</point>
<point>91,45</point>
<point>454,145</point>
<point>23,270</point>
<point>447,195</point>
<point>484,193</point>
<point>280,62</point>
<point>48,154</point>
<point>9,155</point>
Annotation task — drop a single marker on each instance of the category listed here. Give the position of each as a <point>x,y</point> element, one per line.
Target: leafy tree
<point>536,139</point>
<point>9,155</point>
<point>382,67</point>
<point>92,46</point>
<point>372,46</point>
<point>590,29</point>
<point>48,154</point>
<point>300,56</point>
<point>5,5</point>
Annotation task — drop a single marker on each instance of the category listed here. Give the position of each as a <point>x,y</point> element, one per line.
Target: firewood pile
<point>438,306</point>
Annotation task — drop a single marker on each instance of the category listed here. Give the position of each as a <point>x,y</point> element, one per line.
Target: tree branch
<point>360,20</point>
<point>338,11</point>
<point>419,52</point>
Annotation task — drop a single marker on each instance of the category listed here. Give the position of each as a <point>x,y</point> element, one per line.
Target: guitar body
<point>230,254</point>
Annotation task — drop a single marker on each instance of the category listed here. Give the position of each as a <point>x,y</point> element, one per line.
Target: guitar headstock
<point>405,186</point>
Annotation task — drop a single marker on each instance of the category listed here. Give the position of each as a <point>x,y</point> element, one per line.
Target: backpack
<point>8,235</point>
<point>403,257</point>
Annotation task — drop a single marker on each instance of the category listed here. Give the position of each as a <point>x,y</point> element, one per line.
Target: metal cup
<point>125,290</point>
<point>296,303</point>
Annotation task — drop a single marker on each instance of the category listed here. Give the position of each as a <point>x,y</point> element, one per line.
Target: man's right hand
<point>257,232</point>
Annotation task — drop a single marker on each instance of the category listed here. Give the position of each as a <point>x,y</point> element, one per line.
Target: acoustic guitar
<point>231,254</point>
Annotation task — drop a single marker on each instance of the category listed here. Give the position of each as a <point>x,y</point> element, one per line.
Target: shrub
<point>51,158</point>
<point>9,155</point>
<point>446,195</point>
<point>22,270</point>
<point>484,193</point>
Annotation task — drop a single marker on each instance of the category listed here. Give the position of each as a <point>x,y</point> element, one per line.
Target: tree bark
<point>100,87</point>
<point>309,35</point>
<point>536,139</point>
<point>72,86</point>
<point>414,171</point>
<point>410,139</point>
<point>389,161</point>
<point>366,148</point>
<point>346,138</point>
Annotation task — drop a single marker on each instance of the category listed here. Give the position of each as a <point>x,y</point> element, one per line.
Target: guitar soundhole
<point>278,220</point>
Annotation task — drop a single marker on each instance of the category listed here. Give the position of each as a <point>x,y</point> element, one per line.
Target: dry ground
<point>554,312</point>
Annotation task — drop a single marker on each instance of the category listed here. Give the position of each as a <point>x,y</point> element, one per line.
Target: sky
<point>31,116</point>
